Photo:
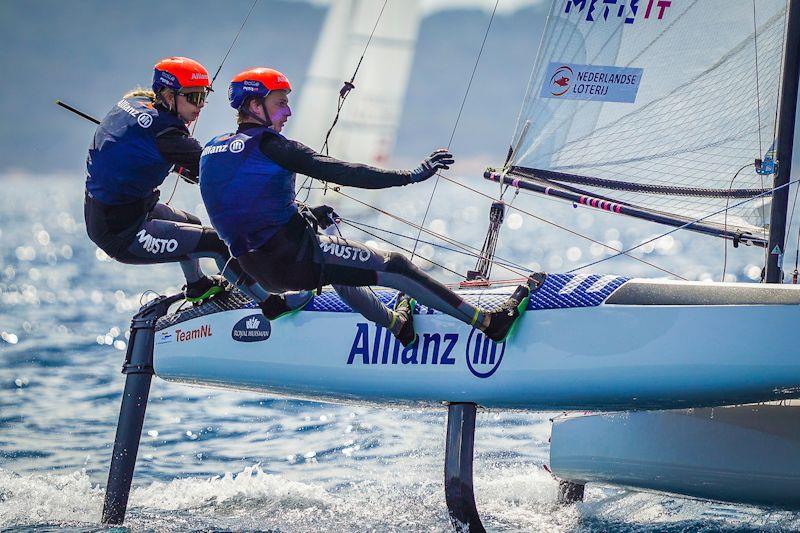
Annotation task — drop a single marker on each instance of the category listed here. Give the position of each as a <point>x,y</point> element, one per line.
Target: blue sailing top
<point>248,196</point>
<point>124,164</point>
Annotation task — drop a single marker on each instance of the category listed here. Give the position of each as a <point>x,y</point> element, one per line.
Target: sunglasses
<point>196,98</point>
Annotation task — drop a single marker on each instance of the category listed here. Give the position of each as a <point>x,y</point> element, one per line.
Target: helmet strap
<point>265,121</point>
<point>174,108</point>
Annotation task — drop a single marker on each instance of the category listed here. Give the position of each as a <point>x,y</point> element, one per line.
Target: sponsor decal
<point>164,337</point>
<point>237,146</point>
<point>144,120</point>
<point>345,252</point>
<point>483,355</point>
<point>199,76</point>
<point>591,82</point>
<point>202,332</point>
<point>251,328</point>
<point>210,150</point>
<point>629,10</point>
<point>384,349</point>
<point>374,345</point>
<point>154,245</point>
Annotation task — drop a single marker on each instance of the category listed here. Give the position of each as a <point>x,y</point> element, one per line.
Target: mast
<point>787,107</point>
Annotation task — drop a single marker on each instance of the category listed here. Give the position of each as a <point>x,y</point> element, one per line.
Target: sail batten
<point>667,111</point>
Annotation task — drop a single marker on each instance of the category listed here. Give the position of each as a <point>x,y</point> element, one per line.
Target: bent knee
<point>210,242</point>
<point>193,219</point>
<point>398,263</point>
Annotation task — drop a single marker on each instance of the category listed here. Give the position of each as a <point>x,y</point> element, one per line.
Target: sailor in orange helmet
<point>247,179</point>
<point>144,137</point>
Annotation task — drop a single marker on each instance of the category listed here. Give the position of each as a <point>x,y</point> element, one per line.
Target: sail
<point>368,122</point>
<point>660,104</point>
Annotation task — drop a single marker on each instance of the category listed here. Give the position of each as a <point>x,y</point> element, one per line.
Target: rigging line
<point>466,249</point>
<point>625,252</point>
<point>791,216</point>
<point>455,126</point>
<point>233,43</point>
<point>211,85</point>
<point>570,231</point>
<point>758,114</point>
<point>725,225</point>
<point>446,239</point>
<point>502,262</point>
<point>343,96</point>
<point>409,251</point>
<point>758,91</point>
<point>343,93</point>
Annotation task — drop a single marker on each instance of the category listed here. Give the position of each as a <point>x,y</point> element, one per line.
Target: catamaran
<point>680,112</point>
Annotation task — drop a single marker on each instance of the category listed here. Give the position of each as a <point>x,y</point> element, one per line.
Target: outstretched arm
<point>298,157</point>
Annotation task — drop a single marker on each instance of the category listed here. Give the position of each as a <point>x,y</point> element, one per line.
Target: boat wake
<point>511,498</point>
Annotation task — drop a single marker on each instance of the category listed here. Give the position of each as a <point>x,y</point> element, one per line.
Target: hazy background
<point>88,53</point>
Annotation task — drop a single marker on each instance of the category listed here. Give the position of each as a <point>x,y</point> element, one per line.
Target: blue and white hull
<point>586,343</point>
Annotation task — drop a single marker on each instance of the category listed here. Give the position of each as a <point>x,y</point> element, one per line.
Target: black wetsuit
<point>294,258</point>
<point>144,231</point>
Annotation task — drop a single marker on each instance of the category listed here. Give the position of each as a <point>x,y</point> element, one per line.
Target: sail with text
<point>660,109</point>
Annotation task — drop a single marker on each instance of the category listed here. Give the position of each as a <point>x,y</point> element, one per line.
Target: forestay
<point>366,128</point>
<point>657,104</point>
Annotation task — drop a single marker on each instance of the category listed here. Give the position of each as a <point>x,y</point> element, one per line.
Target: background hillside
<point>90,52</point>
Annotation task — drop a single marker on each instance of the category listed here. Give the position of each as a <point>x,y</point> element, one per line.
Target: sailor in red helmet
<point>247,179</point>
<point>142,138</point>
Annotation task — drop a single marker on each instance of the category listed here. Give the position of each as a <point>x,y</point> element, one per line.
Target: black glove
<point>441,159</point>
<point>325,215</point>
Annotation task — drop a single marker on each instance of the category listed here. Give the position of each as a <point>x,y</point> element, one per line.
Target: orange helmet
<point>178,72</point>
<point>256,82</point>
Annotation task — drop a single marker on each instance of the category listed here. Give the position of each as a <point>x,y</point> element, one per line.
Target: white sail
<point>679,94</point>
<point>368,121</point>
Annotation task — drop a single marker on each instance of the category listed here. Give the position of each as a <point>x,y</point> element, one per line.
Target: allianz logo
<point>143,119</point>
<point>156,246</point>
<point>376,346</point>
<point>210,150</point>
<point>345,252</point>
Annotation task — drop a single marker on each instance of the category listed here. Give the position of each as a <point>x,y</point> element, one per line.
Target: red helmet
<point>178,72</point>
<point>256,82</point>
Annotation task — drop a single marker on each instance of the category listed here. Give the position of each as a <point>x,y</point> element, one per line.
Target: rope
<point>455,126</point>
<point>233,43</point>
<point>210,87</point>
<point>618,185</point>
<point>564,228</point>
<point>415,226</point>
<point>725,226</point>
<point>627,250</point>
<point>343,93</point>
<point>502,262</point>
<point>405,250</point>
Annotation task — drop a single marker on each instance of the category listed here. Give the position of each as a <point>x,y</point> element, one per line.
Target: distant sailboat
<point>368,122</point>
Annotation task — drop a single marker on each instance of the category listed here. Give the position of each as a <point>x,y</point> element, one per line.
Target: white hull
<point>600,357</point>
<point>745,454</point>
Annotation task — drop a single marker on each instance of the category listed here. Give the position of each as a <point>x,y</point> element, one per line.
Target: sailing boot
<point>502,321</point>
<point>204,288</point>
<point>404,311</point>
<point>280,305</point>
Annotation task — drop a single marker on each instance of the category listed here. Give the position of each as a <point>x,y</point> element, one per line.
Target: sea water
<point>229,461</point>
